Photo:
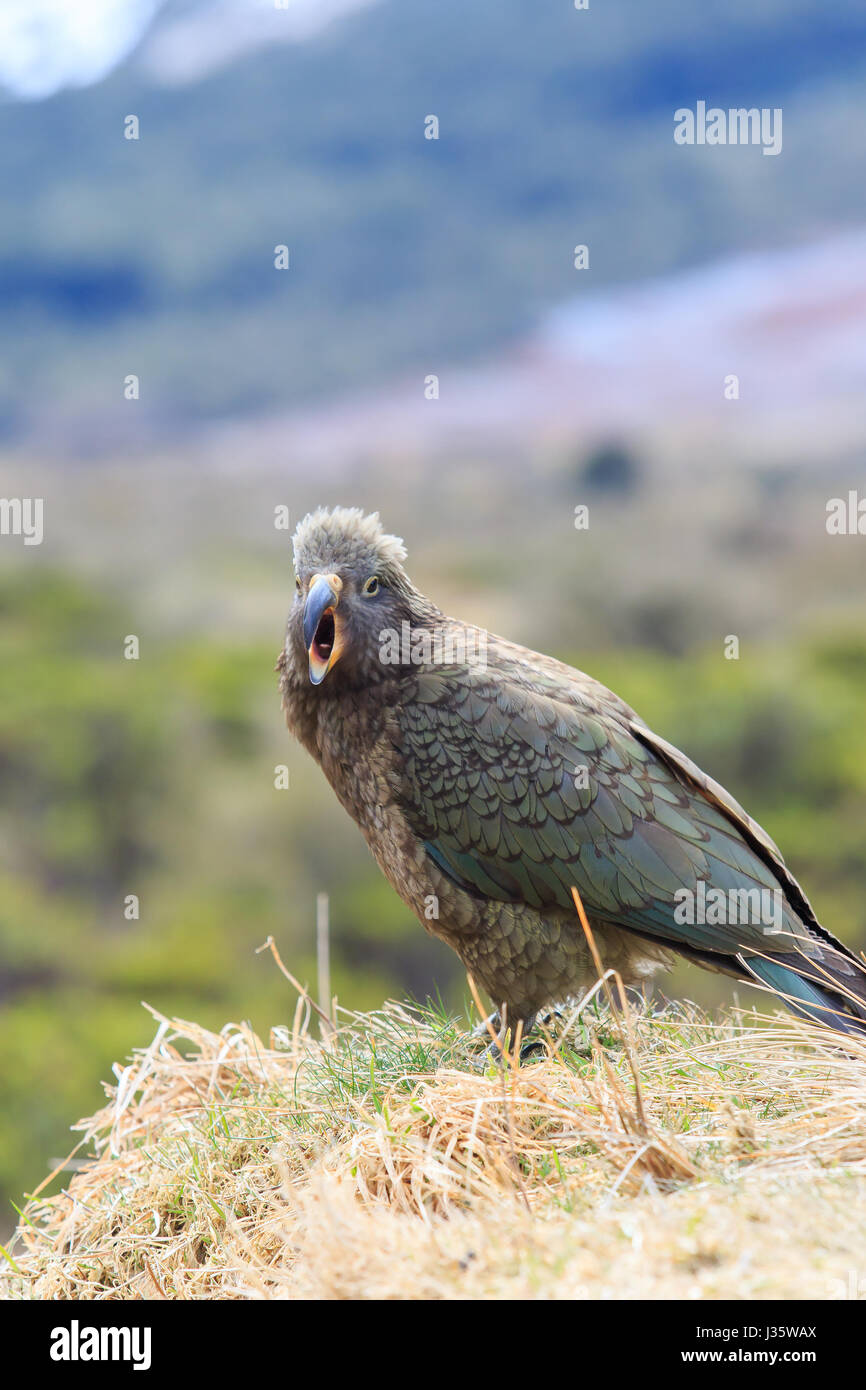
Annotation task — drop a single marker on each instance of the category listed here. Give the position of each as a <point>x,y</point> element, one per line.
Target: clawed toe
<point>482,1030</point>
<point>493,1052</point>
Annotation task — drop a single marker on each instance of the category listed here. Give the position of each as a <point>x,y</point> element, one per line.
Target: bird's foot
<point>482,1030</point>
<point>574,1031</point>
<point>548,1017</point>
<point>490,1030</point>
<point>495,1049</point>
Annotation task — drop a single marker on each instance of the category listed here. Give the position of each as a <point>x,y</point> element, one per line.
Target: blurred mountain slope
<point>156,256</point>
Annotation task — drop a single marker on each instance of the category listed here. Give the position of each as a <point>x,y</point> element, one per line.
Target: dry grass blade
<point>326,1021</point>
<point>642,1152</point>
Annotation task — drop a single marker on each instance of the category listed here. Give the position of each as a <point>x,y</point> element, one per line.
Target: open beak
<point>322,626</point>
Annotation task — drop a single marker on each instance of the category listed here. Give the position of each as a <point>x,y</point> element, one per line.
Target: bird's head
<point>350,587</point>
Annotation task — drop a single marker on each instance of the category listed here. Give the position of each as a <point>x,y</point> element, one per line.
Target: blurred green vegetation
<point>156,777</point>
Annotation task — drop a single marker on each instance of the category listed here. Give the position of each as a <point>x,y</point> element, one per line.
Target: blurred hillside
<point>156,256</point>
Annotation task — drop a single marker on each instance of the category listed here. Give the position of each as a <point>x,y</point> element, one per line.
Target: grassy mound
<point>662,1154</point>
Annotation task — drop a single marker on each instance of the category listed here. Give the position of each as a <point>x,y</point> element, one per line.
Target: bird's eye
<point>371,586</point>
<point>298,583</point>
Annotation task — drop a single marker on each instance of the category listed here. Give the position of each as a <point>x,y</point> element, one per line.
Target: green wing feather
<point>492,786</point>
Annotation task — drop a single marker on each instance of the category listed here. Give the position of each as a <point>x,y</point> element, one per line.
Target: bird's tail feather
<point>830,990</point>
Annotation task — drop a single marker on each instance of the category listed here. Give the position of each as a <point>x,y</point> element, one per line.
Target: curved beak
<point>321,625</point>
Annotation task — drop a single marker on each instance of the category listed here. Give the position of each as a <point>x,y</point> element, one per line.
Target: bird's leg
<point>482,1030</point>
<point>528,1049</point>
<point>546,1018</point>
<point>560,1018</point>
<point>498,1023</point>
<point>601,1022</point>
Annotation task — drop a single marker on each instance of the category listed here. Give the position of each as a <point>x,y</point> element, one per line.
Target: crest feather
<point>345,536</point>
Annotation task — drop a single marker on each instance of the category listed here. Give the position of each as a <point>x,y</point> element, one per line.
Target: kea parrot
<point>490,780</point>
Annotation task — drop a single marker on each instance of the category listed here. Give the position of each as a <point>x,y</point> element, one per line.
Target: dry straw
<point>657,1153</point>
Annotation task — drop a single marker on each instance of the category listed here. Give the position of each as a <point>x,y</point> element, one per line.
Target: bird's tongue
<point>322,647</point>
<point>324,638</point>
